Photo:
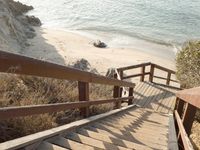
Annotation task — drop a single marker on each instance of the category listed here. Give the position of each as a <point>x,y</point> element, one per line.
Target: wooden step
<point>113,140</point>
<point>48,146</point>
<point>93,142</point>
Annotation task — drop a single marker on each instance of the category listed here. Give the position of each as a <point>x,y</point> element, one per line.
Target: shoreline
<point>65,47</point>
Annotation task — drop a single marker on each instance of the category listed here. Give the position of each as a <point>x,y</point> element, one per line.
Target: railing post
<point>130,101</point>
<point>83,89</point>
<point>188,117</point>
<point>142,72</point>
<point>121,74</point>
<point>168,78</point>
<point>151,73</point>
<point>179,106</point>
<point>116,94</point>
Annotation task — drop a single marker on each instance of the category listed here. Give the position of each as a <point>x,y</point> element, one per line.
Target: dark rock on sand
<point>99,44</point>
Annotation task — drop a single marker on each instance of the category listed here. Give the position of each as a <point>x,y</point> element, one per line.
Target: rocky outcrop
<point>15,27</point>
<point>34,21</point>
<point>18,8</point>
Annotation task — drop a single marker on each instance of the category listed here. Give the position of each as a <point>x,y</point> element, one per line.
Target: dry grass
<point>195,136</point>
<point>20,90</point>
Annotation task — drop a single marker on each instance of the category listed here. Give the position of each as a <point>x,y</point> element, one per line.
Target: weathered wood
<point>130,101</point>
<point>17,64</point>
<point>191,96</point>
<point>30,139</point>
<point>116,94</point>
<point>143,73</point>
<point>49,146</point>
<point>93,142</point>
<point>11,112</point>
<point>179,106</point>
<point>61,141</point>
<point>106,137</point>
<point>135,75</point>
<point>168,78</point>
<point>151,75</point>
<point>83,89</point>
<point>186,142</point>
<point>134,66</point>
<point>173,144</point>
<point>163,68</point>
<point>188,117</point>
<point>163,78</point>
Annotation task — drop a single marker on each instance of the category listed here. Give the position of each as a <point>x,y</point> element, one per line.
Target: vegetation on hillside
<point>188,73</point>
<point>27,90</point>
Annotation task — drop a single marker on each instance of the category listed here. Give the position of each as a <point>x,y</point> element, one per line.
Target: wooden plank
<point>149,96</point>
<point>179,106</point>
<point>113,140</point>
<point>141,93</point>
<point>11,112</point>
<point>168,78</point>
<point>130,101</point>
<point>135,75</point>
<point>143,73</point>
<point>116,94</point>
<point>188,117</point>
<point>153,98</point>
<point>186,142</point>
<point>137,89</point>
<point>127,135</point>
<point>61,141</point>
<point>132,126</point>
<point>83,90</point>
<point>165,108</point>
<point>31,139</point>
<point>93,142</point>
<point>48,146</point>
<point>151,73</point>
<point>17,64</point>
<point>191,96</point>
<point>172,144</point>
<point>164,69</point>
<point>154,104</point>
<point>122,119</point>
<point>134,66</point>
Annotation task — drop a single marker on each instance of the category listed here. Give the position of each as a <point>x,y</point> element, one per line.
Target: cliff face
<point>15,27</point>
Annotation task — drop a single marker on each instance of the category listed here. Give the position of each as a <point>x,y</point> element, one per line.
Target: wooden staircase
<point>150,115</point>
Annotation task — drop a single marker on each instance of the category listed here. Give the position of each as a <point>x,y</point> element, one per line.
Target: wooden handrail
<point>12,112</point>
<point>186,142</point>
<point>191,96</point>
<point>186,106</point>
<point>134,66</point>
<point>17,64</point>
<point>151,74</point>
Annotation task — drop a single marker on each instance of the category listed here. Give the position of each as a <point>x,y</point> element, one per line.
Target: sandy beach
<point>65,48</point>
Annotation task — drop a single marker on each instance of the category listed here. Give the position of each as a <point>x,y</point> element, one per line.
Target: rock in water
<point>99,44</point>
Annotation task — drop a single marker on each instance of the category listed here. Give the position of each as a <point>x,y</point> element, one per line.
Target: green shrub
<point>188,66</point>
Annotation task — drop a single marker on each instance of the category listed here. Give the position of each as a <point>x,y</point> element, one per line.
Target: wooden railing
<point>186,106</point>
<point>17,64</point>
<point>151,72</point>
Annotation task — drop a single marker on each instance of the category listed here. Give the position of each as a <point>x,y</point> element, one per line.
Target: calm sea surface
<point>124,22</point>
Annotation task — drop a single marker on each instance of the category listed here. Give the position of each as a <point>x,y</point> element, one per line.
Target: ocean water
<point>124,23</point>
